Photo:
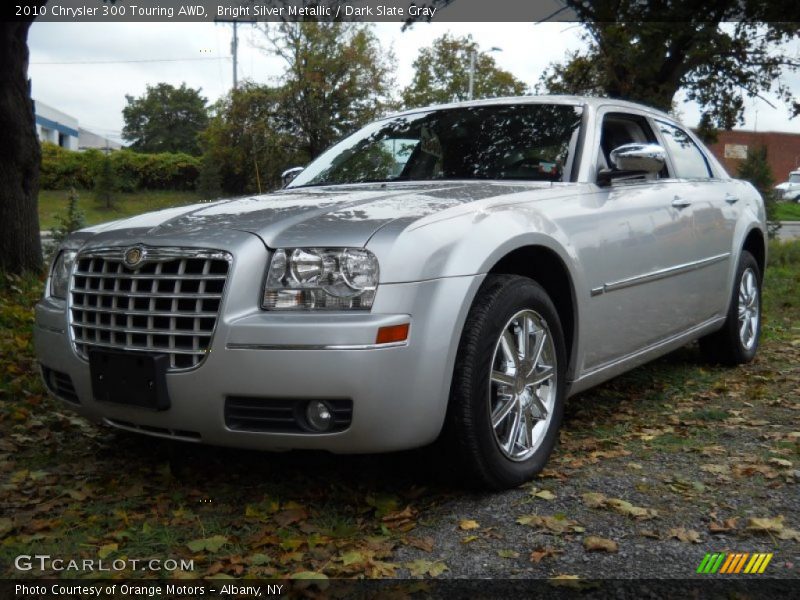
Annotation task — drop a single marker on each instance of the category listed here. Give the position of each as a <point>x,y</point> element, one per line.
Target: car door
<point>711,203</point>
<point>634,239</point>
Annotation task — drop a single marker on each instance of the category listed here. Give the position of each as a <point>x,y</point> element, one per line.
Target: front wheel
<point>737,342</point>
<point>507,397</point>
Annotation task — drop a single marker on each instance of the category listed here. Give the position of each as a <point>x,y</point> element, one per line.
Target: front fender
<point>469,244</point>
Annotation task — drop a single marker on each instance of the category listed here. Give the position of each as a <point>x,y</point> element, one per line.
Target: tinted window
<point>687,160</point>
<point>528,141</point>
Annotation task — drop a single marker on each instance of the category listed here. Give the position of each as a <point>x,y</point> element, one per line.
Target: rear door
<point>713,205</point>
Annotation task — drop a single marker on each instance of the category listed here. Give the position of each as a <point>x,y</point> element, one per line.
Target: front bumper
<point>399,392</point>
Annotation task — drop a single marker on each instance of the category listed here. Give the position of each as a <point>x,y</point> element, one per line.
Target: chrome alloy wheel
<point>522,391</point>
<point>748,309</point>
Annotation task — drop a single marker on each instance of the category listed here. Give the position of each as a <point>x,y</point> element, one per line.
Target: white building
<point>87,139</point>
<point>63,130</point>
<point>55,126</point>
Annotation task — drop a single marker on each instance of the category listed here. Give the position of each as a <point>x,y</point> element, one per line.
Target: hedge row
<point>63,169</point>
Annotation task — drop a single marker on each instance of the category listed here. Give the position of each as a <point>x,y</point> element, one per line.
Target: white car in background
<point>790,190</point>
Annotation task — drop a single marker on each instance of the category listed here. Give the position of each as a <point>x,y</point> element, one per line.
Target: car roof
<point>542,99</point>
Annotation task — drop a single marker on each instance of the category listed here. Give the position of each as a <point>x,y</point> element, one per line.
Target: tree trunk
<point>20,155</point>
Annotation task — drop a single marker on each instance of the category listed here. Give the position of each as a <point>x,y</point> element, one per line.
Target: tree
<point>249,141</point>
<point>73,220</point>
<point>647,51</point>
<point>441,74</point>
<point>337,78</point>
<point>755,169</point>
<point>20,243</point>
<point>165,119</point>
<point>106,183</point>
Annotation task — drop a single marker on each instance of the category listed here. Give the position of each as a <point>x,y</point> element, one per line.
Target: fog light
<point>318,416</point>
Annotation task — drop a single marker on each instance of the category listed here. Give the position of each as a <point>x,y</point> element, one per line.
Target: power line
<point>146,60</point>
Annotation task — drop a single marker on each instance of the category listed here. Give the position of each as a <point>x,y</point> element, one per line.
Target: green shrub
<point>63,169</point>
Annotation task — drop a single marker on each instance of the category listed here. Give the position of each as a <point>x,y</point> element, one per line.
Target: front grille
<point>274,415</point>
<point>60,385</point>
<point>167,304</point>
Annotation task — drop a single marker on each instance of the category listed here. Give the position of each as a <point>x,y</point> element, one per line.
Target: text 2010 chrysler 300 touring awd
<point>451,272</point>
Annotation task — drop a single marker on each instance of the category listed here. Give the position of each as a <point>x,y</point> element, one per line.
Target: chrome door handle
<point>731,199</point>
<point>679,202</point>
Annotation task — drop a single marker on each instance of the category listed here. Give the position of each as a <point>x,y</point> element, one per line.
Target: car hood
<point>322,216</point>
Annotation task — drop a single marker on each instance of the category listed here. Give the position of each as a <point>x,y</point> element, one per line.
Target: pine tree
<point>757,171</point>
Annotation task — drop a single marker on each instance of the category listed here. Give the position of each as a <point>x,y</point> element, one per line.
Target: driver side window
<point>619,129</point>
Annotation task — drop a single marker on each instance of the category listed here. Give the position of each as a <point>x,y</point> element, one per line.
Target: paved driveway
<point>790,230</point>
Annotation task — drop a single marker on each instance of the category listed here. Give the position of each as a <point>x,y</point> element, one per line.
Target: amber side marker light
<point>392,334</point>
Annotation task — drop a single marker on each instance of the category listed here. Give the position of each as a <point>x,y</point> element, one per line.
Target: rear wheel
<point>507,397</point>
<point>737,342</point>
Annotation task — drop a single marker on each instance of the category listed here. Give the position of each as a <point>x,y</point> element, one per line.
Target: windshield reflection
<point>518,142</point>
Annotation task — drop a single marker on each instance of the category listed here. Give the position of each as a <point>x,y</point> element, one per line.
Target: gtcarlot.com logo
<point>45,562</point>
<point>734,563</point>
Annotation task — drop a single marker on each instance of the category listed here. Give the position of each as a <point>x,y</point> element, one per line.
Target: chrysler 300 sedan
<point>449,273</point>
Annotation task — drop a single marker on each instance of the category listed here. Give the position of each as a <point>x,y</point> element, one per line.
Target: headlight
<point>321,279</point>
<point>59,274</point>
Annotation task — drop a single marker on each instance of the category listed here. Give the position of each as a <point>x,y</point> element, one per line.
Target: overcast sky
<point>95,93</point>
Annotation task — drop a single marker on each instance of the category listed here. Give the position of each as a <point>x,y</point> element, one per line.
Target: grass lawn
<point>54,202</point>
<point>788,211</point>
<point>706,453</point>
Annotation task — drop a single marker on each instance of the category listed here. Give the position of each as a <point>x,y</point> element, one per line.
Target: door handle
<point>730,199</point>
<point>679,202</point>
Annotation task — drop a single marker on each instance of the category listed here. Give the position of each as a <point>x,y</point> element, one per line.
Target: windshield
<point>523,141</point>
<point>794,178</point>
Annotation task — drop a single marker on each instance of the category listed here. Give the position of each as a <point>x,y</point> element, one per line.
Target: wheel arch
<point>755,244</point>
<point>548,269</point>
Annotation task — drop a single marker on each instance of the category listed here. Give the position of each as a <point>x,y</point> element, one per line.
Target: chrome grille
<point>168,303</point>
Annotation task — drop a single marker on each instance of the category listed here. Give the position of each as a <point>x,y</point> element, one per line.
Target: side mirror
<point>649,158</point>
<point>289,174</point>
<point>632,161</point>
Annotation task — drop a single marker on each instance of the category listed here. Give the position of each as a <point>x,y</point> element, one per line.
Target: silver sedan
<point>451,273</point>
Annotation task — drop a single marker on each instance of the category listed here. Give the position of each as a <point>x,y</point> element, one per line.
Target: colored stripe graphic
<point>704,563</point>
<point>734,563</point>
<point>731,559</point>
<point>764,564</point>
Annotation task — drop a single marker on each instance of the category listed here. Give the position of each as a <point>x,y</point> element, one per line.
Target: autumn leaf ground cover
<point>654,469</point>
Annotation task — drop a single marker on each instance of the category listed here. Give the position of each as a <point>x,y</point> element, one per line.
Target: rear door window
<point>688,161</point>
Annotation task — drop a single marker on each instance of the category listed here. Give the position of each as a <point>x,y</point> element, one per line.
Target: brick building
<point>783,150</point>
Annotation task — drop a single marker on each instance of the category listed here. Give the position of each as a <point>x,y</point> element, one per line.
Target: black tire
<point>726,346</point>
<point>470,441</point>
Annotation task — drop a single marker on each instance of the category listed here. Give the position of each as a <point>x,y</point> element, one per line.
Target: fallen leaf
<point>507,554</point>
<point>765,524</point>
<point>6,525</point>
<point>554,524</point>
<point>292,515</point>
<point>597,500</point>
<point>684,535</point>
<point>726,525</point>
<point>592,543</point>
<point>781,462</point>
<point>626,508</point>
<point>467,524</point>
<point>106,550</point>
<point>422,567</point>
<point>425,544</point>
<point>545,495</point>
<point>717,469</point>
<point>594,499</point>
<point>541,553</point>
<point>210,544</point>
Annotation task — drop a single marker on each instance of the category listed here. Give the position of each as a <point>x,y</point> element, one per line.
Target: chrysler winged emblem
<point>133,256</point>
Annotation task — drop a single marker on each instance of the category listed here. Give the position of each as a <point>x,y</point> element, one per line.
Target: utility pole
<point>472,56</point>
<point>234,47</point>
